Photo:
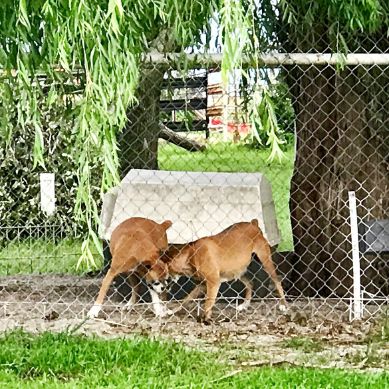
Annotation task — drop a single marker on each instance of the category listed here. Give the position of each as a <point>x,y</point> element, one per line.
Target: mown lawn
<point>45,256</point>
<point>63,360</point>
<point>42,256</point>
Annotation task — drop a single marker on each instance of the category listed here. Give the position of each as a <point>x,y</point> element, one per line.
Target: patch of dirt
<point>250,338</point>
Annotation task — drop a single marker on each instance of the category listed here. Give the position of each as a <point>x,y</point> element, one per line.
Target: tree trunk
<point>342,121</point>
<point>139,140</point>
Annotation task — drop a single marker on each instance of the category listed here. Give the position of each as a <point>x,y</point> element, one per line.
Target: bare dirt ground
<point>311,333</point>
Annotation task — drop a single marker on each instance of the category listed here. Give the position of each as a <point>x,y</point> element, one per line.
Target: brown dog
<point>135,244</point>
<point>222,257</point>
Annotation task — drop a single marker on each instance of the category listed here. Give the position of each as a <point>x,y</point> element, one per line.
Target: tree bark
<point>342,121</point>
<point>139,139</point>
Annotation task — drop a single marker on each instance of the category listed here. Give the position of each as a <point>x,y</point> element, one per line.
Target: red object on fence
<point>242,128</point>
<point>216,122</point>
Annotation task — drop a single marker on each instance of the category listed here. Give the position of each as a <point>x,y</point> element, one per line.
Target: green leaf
<point>23,14</point>
<point>38,148</point>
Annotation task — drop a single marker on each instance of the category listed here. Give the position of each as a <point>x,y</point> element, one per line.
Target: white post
<point>47,184</point>
<point>357,297</point>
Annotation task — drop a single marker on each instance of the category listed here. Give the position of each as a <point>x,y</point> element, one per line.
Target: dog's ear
<point>152,259</point>
<point>167,255</point>
<point>167,224</point>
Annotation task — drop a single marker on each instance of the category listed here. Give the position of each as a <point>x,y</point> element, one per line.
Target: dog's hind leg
<point>262,250</point>
<point>213,286</point>
<point>107,281</point>
<point>118,266</point>
<point>248,294</point>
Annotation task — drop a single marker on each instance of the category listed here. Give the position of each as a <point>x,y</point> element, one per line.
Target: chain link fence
<point>200,154</point>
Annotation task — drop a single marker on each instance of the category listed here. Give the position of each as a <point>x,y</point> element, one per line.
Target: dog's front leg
<point>160,310</point>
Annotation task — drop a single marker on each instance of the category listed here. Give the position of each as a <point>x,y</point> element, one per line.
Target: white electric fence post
<point>357,297</point>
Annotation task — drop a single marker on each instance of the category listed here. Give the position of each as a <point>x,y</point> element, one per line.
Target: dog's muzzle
<point>159,286</point>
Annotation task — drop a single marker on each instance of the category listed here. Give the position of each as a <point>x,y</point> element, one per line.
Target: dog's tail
<point>255,223</point>
<point>166,224</point>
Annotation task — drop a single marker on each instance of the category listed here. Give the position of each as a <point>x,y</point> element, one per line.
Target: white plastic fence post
<point>47,186</point>
<point>357,297</point>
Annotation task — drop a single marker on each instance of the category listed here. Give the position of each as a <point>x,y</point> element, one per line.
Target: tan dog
<point>222,257</point>
<point>136,243</point>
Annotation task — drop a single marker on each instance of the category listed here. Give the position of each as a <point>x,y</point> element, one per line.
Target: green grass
<point>52,358</point>
<point>372,355</point>
<point>63,360</point>
<point>229,157</point>
<point>374,344</point>
<point>305,378</point>
<point>42,256</point>
<point>380,332</point>
<point>306,345</point>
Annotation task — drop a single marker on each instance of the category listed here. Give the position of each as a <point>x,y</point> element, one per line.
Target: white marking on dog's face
<point>94,311</point>
<point>158,286</point>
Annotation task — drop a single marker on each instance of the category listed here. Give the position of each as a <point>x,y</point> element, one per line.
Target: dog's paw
<point>128,306</point>
<point>207,321</point>
<point>94,311</point>
<point>162,311</point>
<point>204,320</point>
<point>166,312</point>
<point>243,306</point>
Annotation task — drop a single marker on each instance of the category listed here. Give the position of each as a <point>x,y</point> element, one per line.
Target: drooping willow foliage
<point>46,44</point>
<point>335,25</point>
<point>103,39</point>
